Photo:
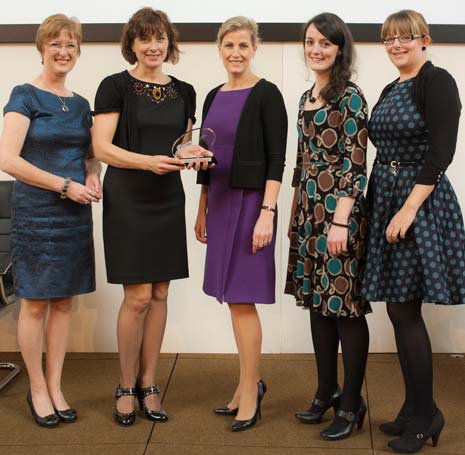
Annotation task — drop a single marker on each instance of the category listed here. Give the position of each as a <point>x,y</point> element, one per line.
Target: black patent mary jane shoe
<point>225,411</point>
<point>318,409</point>
<point>49,421</point>
<point>124,418</point>
<point>413,439</point>
<point>241,425</point>
<point>156,416</point>
<point>344,423</point>
<point>67,416</point>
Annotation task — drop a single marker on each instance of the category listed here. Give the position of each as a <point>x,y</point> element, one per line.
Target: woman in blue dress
<point>45,144</point>
<point>416,238</point>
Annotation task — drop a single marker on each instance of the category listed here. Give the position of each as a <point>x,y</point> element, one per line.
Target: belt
<point>395,165</point>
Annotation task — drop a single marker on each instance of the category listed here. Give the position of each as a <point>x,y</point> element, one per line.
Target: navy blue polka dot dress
<point>429,264</point>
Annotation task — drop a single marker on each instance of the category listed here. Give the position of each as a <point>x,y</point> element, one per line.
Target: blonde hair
<point>239,23</point>
<point>51,27</point>
<point>404,22</point>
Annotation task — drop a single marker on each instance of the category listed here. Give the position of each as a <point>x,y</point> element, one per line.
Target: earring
<point>423,48</point>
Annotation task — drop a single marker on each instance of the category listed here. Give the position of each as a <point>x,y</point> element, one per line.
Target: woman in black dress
<point>138,116</point>
<point>416,238</point>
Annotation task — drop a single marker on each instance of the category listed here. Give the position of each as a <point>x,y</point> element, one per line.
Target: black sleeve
<point>274,118</point>
<point>109,96</point>
<point>442,113</point>
<point>191,103</point>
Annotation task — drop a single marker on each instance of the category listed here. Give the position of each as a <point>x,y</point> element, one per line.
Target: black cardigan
<point>437,98</point>
<point>113,95</point>
<point>260,147</point>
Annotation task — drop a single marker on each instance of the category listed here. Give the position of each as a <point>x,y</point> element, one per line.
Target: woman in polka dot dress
<point>415,243</point>
<point>328,224</point>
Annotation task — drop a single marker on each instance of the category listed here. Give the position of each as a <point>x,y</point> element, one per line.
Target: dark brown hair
<point>148,22</point>
<point>337,32</point>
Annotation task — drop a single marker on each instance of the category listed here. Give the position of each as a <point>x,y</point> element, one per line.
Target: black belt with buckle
<point>395,165</point>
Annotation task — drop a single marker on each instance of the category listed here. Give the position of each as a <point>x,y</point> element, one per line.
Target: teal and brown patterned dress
<point>331,163</point>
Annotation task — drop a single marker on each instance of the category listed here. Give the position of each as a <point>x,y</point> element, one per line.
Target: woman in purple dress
<point>237,208</point>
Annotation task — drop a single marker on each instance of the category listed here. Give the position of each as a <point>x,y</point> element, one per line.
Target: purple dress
<point>233,274</point>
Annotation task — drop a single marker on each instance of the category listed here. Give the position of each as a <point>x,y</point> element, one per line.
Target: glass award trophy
<point>191,145</point>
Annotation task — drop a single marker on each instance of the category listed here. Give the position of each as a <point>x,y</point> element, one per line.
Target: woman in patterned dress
<point>139,114</point>
<point>328,224</point>
<point>415,241</point>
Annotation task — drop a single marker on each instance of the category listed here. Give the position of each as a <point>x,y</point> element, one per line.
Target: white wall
<point>197,323</point>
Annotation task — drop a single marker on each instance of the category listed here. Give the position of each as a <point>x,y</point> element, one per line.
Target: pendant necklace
<point>312,99</point>
<point>64,106</point>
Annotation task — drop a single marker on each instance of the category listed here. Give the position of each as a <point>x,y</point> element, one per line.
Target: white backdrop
<point>118,11</point>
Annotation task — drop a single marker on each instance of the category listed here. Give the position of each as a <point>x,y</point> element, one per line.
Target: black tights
<point>414,349</point>
<point>354,337</point>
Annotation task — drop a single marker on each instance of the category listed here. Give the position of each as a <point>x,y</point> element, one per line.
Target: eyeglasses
<point>403,39</point>
<point>56,46</point>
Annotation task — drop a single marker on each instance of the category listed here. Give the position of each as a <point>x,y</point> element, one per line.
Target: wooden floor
<point>194,384</point>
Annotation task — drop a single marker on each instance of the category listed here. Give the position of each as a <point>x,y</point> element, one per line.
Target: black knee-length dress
<point>144,227</point>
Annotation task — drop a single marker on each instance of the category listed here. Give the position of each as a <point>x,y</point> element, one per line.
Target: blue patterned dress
<point>51,241</point>
<point>429,264</point>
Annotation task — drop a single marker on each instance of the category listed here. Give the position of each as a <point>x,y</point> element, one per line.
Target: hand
<point>263,230</point>
<point>81,194</point>
<point>200,227</point>
<point>162,164</point>
<point>337,240</point>
<point>94,184</point>
<point>399,224</point>
<point>200,164</point>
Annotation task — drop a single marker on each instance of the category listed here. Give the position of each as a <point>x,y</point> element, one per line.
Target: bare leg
<point>248,333</point>
<point>56,339</point>
<point>130,329</point>
<point>30,337</point>
<point>154,329</point>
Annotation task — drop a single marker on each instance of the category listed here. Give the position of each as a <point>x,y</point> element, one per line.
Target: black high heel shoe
<point>49,421</point>
<point>156,416</point>
<point>67,416</point>
<point>413,439</point>
<point>395,427</point>
<point>225,411</point>
<point>241,425</point>
<point>124,418</point>
<point>337,431</point>
<point>318,408</point>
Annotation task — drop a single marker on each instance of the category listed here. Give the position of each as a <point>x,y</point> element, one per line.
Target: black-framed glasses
<point>403,39</point>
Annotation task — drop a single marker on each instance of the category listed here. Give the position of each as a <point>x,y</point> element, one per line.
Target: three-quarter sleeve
<point>442,113</point>
<point>20,101</point>
<point>353,144</point>
<point>274,118</point>
<point>109,96</point>
<point>299,157</point>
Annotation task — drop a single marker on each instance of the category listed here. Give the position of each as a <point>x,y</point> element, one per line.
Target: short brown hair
<point>404,22</point>
<point>239,23</point>
<point>148,22</point>
<point>51,27</point>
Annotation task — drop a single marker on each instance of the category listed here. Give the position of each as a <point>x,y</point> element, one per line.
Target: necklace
<point>312,99</point>
<point>64,106</point>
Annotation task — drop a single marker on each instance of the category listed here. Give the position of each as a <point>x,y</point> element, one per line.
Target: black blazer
<point>437,99</point>
<point>260,147</point>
